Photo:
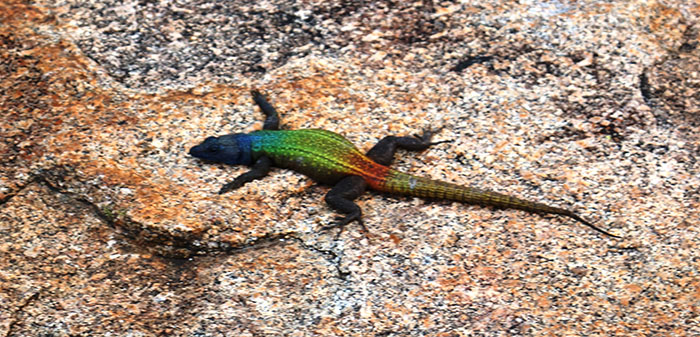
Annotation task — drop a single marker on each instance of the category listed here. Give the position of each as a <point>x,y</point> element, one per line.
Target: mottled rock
<point>109,228</point>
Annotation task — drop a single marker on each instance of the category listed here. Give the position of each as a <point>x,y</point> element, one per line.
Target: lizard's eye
<point>214,148</point>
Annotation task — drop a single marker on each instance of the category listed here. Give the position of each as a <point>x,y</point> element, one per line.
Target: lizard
<point>329,158</point>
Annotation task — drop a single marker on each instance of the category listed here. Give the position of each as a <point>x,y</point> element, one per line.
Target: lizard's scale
<point>326,156</point>
<point>329,158</point>
<point>322,155</point>
<point>407,184</point>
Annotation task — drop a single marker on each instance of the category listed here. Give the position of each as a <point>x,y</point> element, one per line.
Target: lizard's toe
<point>428,135</point>
<point>342,221</point>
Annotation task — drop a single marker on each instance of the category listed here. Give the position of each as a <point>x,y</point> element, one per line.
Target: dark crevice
<point>266,241</point>
<point>688,47</point>
<point>21,307</point>
<point>331,256</point>
<point>9,197</point>
<point>281,239</point>
<point>177,248</point>
<point>19,190</point>
<point>165,245</point>
<point>41,179</point>
<point>470,61</point>
<point>645,88</point>
<point>162,244</point>
<point>690,37</point>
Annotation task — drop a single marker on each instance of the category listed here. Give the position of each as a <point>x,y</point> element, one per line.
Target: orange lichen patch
<point>50,88</point>
<point>13,11</point>
<point>695,294</point>
<point>633,289</point>
<point>453,277</point>
<point>598,9</point>
<point>663,19</point>
<point>427,322</point>
<point>50,76</point>
<point>323,85</point>
<point>310,92</point>
<point>154,203</point>
<point>204,95</point>
<point>150,201</point>
<point>666,24</point>
<point>112,173</point>
<point>500,146</point>
<point>395,239</point>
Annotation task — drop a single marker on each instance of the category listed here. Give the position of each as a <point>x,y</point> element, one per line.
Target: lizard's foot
<point>231,186</point>
<point>428,135</point>
<point>342,221</point>
<point>259,170</point>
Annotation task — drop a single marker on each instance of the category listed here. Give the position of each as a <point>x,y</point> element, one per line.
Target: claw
<point>341,222</point>
<point>230,186</point>
<point>428,134</point>
<point>257,93</point>
<point>442,141</point>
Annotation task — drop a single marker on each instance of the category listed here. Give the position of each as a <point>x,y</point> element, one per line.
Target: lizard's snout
<point>194,150</point>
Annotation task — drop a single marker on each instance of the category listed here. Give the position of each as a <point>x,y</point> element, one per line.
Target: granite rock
<point>109,228</point>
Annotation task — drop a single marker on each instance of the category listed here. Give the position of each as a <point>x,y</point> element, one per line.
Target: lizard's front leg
<point>272,119</point>
<point>383,152</point>
<point>260,169</point>
<point>341,197</point>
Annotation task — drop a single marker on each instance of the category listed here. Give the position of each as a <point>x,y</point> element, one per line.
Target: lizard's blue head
<point>230,149</point>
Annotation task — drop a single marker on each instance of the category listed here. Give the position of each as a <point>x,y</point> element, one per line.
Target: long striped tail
<point>410,185</point>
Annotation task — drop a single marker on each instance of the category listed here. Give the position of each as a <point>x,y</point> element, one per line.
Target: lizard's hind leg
<point>383,152</point>
<point>272,119</point>
<point>341,197</point>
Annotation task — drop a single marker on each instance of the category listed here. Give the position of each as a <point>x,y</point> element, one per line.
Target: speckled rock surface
<point>108,228</point>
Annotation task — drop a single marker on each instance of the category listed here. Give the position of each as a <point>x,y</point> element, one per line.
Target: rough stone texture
<point>108,228</point>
